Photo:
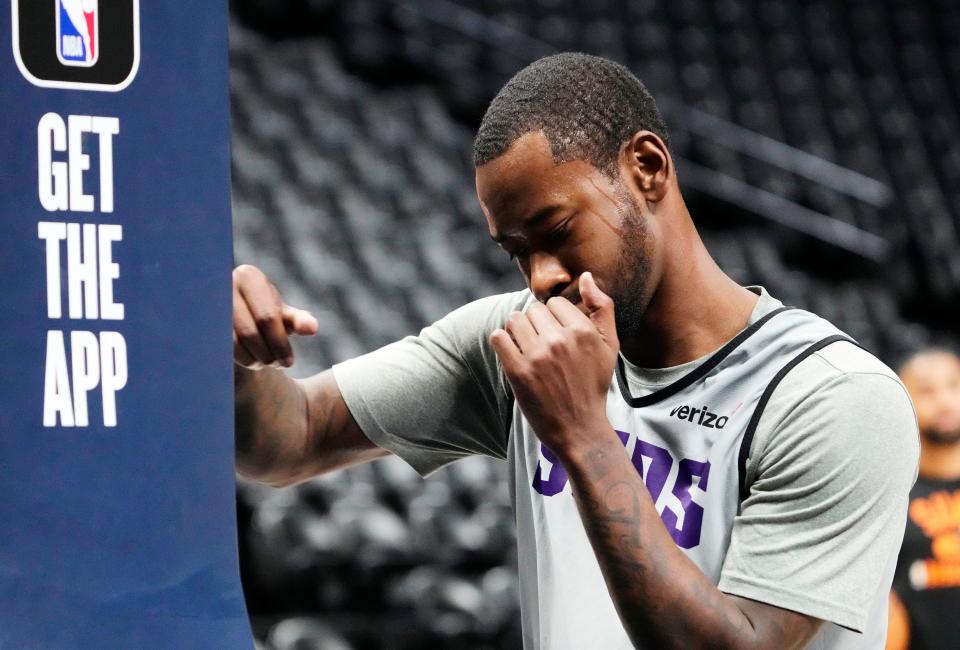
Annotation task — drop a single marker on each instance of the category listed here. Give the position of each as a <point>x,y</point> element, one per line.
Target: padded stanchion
<point>116,458</point>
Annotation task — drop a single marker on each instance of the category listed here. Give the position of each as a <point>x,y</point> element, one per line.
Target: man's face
<point>933,380</point>
<point>558,221</point>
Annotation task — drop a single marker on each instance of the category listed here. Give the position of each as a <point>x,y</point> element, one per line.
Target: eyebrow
<point>537,219</point>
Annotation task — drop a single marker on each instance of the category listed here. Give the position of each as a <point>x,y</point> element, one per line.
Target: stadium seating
<point>869,86</point>
<point>353,190</point>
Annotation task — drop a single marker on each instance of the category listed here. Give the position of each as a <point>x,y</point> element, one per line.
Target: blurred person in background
<point>692,463</point>
<point>925,600</point>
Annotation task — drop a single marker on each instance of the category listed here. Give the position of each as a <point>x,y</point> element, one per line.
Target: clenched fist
<point>559,362</point>
<point>262,322</point>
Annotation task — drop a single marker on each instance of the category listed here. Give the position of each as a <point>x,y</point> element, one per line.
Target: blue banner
<point>116,429</point>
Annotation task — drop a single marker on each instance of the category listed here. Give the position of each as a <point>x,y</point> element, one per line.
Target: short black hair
<point>906,357</point>
<point>585,105</point>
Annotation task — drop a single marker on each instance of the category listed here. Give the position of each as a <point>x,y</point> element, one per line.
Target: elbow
<point>256,459</point>
<point>255,465</point>
<point>260,466</point>
<point>281,482</point>
<point>265,475</point>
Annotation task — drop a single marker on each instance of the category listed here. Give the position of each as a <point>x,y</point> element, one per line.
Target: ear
<point>647,164</point>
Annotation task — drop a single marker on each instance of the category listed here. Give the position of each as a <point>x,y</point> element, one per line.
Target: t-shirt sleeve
<point>438,396</point>
<point>830,478</point>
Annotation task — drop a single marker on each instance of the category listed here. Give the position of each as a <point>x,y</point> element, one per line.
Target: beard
<point>629,287</point>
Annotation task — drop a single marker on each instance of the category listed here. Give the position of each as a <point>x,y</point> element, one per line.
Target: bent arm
<point>290,430</point>
<point>430,399</point>
<point>814,493</point>
<point>663,598</point>
<point>811,495</point>
<point>559,361</point>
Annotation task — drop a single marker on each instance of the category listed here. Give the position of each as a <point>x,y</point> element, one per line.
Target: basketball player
<point>692,464</point>
<point>926,587</point>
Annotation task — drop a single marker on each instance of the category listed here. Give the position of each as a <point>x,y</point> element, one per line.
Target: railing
<point>732,136</point>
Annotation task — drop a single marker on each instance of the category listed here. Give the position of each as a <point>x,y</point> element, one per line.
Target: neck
<point>695,309</point>
<point>939,461</point>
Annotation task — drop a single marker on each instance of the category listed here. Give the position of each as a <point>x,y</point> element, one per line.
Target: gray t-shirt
<point>830,465</point>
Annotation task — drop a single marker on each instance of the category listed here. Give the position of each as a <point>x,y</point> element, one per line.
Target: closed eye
<point>560,231</point>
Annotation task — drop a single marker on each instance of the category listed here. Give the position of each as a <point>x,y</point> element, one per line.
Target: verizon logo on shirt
<point>702,416</point>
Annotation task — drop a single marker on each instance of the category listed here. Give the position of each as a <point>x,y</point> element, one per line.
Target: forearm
<point>663,598</point>
<point>559,360</point>
<point>272,424</point>
<point>291,430</point>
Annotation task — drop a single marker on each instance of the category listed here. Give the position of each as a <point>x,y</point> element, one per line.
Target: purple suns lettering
<point>687,534</point>
<point>557,479</point>
<point>683,518</point>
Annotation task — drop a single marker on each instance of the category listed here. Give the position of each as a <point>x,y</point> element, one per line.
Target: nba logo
<point>78,23</point>
<point>77,44</point>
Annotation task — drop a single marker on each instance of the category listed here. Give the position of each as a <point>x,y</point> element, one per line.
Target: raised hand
<point>262,322</point>
<point>559,362</point>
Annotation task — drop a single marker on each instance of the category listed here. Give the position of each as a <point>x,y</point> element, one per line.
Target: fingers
<point>262,322</point>
<point>520,328</point>
<point>542,319</point>
<point>247,333</point>
<point>599,306</point>
<point>241,355</point>
<point>299,321</point>
<point>265,306</point>
<point>566,313</point>
<point>593,298</point>
<point>506,349</point>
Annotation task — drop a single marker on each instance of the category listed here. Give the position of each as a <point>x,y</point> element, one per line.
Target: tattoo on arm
<point>621,504</point>
<point>664,600</point>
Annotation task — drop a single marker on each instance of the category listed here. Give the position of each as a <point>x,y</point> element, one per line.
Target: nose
<point>548,277</point>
